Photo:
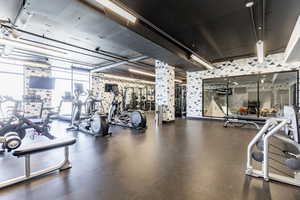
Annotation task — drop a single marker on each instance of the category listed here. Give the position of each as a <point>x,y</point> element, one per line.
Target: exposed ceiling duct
<point>98,69</point>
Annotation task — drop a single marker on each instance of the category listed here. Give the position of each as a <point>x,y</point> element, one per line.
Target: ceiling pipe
<point>100,52</point>
<point>98,69</point>
<point>57,58</point>
<point>85,54</point>
<point>250,5</point>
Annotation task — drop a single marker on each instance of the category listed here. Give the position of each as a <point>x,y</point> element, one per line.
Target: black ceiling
<point>220,29</point>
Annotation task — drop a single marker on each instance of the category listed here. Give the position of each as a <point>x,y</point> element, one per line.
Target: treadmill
<point>67,98</point>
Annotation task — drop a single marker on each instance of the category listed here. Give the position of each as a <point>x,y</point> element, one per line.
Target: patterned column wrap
<point>248,66</point>
<point>33,109</point>
<point>98,87</point>
<point>165,89</point>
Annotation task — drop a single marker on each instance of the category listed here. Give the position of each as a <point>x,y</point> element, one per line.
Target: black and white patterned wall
<point>99,80</point>
<point>33,109</point>
<point>165,89</point>
<point>273,63</point>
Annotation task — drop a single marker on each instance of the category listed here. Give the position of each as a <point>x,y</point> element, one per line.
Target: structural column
<point>165,89</point>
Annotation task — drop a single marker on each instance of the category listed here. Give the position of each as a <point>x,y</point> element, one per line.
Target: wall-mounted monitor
<point>110,87</point>
<point>38,82</point>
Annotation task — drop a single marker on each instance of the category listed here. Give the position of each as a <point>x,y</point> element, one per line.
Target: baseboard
<point>206,118</point>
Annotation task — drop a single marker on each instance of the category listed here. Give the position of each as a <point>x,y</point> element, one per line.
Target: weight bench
<point>243,121</point>
<point>38,148</point>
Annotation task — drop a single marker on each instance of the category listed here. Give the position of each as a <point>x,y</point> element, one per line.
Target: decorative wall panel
<point>273,63</point>
<point>165,89</point>
<point>98,88</point>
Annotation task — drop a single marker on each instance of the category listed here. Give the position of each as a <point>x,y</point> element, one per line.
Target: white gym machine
<point>286,130</point>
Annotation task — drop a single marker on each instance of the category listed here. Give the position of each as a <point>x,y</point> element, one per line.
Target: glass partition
<point>214,98</point>
<point>275,91</point>
<point>250,96</point>
<point>243,98</point>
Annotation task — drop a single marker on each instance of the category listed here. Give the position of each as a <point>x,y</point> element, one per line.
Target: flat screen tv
<point>38,82</point>
<point>110,87</point>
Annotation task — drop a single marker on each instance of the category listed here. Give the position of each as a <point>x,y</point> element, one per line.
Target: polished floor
<point>188,159</point>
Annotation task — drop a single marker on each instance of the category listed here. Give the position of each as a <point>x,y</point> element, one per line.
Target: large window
<point>11,81</point>
<point>66,78</point>
<point>250,96</point>
<point>11,84</point>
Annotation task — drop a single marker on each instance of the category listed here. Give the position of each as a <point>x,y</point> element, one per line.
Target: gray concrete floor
<point>187,159</point>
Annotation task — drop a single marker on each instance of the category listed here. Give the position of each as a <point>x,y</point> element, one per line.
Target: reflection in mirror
<point>250,96</point>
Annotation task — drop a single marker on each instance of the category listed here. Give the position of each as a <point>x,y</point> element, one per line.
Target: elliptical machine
<point>93,122</point>
<point>133,119</point>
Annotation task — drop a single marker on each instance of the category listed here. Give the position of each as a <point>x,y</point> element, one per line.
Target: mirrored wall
<point>251,96</point>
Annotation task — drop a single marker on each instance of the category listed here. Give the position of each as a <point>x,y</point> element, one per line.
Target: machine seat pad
<point>293,164</point>
<point>44,146</point>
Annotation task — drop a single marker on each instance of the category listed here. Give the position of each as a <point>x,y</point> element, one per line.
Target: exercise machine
<point>180,100</point>
<point>13,129</point>
<point>92,122</point>
<point>66,99</point>
<point>132,118</point>
<point>237,121</point>
<point>285,130</point>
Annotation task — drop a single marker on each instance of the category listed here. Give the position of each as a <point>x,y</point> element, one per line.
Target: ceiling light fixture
<point>260,51</point>
<point>118,10</point>
<point>141,72</point>
<point>149,74</point>
<point>23,62</point>
<point>27,46</point>
<point>4,20</point>
<point>197,59</point>
<point>249,4</point>
<point>128,79</point>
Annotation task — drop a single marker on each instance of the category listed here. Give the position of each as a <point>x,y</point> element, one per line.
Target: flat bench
<point>38,148</point>
<point>243,121</point>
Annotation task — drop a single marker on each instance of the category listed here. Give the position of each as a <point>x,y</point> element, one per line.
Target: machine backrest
<point>291,114</point>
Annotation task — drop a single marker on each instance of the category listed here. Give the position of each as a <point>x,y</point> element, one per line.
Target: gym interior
<point>126,99</point>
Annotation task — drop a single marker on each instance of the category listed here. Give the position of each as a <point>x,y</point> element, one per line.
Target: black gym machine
<point>92,121</point>
<point>13,129</point>
<point>127,118</point>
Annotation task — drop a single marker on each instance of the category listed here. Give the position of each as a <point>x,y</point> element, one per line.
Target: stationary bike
<point>93,122</point>
<point>133,119</point>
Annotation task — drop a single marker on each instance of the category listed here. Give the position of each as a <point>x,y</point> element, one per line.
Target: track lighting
<point>118,10</point>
